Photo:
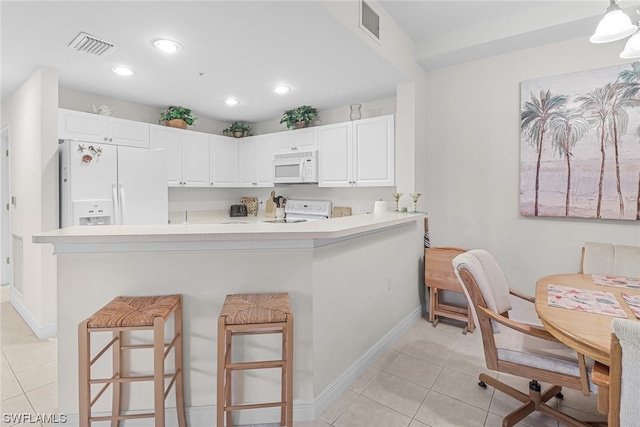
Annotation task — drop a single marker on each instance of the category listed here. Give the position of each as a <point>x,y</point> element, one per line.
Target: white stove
<point>304,210</point>
<point>310,210</point>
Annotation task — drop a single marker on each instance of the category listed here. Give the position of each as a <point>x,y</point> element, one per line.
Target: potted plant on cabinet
<point>237,130</point>
<point>177,117</point>
<point>299,117</point>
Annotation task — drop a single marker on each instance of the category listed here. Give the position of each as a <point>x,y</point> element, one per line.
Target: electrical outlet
<point>360,209</point>
<point>388,283</point>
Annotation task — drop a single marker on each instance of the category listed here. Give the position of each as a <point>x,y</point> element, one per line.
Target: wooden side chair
<point>605,258</point>
<point>516,348</point>
<point>624,374</point>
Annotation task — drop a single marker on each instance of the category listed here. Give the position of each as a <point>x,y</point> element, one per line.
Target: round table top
<point>588,333</point>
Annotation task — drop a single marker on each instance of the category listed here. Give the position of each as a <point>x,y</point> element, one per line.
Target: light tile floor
<point>428,379</point>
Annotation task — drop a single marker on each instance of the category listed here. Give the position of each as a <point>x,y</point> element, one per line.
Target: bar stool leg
<point>283,380</point>
<point>228,383</point>
<point>177,318</point>
<point>117,371</point>
<point>84,374</point>
<point>221,372</point>
<point>158,371</point>
<point>289,366</point>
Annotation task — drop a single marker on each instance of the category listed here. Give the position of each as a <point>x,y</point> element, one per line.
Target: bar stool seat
<point>247,314</point>
<point>124,315</point>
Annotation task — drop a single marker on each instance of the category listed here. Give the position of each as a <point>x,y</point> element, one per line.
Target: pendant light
<point>632,48</point>
<point>615,25</point>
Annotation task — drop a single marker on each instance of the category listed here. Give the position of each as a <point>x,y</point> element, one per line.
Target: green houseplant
<point>299,117</point>
<point>237,130</point>
<point>178,117</point>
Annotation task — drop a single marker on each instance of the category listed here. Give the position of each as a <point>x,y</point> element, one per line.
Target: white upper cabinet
<point>358,153</point>
<point>255,161</point>
<point>335,155</point>
<point>187,155</point>
<point>264,160</point>
<point>223,164</point>
<point>102,129</point>
<point>292,141</point>
<point>374,152</point>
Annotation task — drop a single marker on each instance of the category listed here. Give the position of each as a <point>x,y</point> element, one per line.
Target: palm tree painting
<point>580,144</point>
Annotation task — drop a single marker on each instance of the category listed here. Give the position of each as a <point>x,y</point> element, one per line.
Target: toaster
<point>238,210</point>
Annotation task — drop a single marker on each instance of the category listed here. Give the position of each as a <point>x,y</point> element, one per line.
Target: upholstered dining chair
<point>624,386</point>
<point>517,348</point>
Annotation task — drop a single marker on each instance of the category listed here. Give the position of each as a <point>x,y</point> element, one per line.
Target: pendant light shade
<point>632,48</point>
<point>614,26</point>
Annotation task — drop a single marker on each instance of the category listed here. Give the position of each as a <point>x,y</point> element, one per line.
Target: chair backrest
<point>605,258</point>
<point>489,278</point>
<point>484,285</point>
<point>597,258</point>
<point>624,373</point>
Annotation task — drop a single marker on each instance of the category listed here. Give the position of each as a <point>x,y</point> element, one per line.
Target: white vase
<point>355,112</point>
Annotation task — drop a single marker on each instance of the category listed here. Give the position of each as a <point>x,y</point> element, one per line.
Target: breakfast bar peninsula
<point>354,284</point>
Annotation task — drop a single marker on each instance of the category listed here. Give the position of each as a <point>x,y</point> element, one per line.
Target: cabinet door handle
<point>110,139</point>
<point>105,138</point>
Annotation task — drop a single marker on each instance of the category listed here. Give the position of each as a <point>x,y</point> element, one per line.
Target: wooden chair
<point>516,348</point>
<point>439,276</point>
<point>624,378</point>
<point>608,259</point>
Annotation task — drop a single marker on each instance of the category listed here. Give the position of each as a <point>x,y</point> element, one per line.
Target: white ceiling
<point>242,48</point>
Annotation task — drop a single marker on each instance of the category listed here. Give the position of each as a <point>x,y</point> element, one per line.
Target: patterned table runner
<point>634,303</point>
<point>619,282</point>
<point>586,300</point>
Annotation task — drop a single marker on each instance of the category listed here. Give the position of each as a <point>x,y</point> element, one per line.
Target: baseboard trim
<point>42,332</point>
<point>349,376</point>
<point>303,410</point>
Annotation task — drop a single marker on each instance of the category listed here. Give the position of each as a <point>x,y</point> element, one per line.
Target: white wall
<point>82,101</point>
<point>31,113</point>
<point>472,163</point>
<point>203,199</point>
<point>375,108</point>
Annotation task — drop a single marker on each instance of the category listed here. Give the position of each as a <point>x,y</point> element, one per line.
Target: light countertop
<point>214,226</point>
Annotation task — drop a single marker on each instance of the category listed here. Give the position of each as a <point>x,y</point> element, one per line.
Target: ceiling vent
<point>92,45</point>
<point>369,21</point>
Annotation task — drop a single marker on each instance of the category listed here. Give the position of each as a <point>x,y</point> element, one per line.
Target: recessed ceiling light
<point>168,46</point>
<point>281,89</point>
<point>122,71</point>
<point>231,101</point>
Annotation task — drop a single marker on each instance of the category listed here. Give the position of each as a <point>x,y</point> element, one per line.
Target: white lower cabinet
<point>255,161</point>
<point>187,155</point>
<point>358,153</point>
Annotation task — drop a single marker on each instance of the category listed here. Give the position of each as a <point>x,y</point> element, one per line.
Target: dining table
<point>588,333</point>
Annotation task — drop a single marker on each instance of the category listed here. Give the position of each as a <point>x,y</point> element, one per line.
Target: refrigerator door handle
<point>122,203</point>
<point>116,204</point>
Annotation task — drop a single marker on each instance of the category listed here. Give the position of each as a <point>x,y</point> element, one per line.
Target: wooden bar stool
<point>128,314</point>
<point>247,314</point>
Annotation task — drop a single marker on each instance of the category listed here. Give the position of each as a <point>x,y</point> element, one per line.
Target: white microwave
<point>294,168</point>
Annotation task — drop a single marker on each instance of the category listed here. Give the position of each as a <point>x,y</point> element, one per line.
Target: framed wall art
<point>580,144</point>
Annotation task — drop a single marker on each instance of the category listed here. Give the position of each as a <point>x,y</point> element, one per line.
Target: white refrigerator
<point>112,185</point>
